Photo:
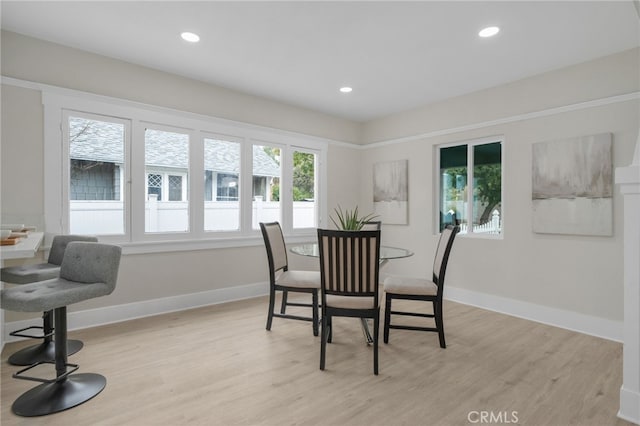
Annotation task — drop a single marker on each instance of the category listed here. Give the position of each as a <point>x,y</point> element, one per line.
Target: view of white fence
<point>107,217</point>
<point>493,226</point>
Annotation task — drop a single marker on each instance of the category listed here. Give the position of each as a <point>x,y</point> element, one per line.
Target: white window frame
<point>289,162</point>
<point>140,116</point>
<point>242,143</point>
<point>470,143</point>
<point>248,183</point>
<point>125,171</point>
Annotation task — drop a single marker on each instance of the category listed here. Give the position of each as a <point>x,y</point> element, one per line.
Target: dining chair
<point>88,270</point>
<point>414,288</point>
<point>26,274</point>
<point>284,280</point>
<point>349,276</point>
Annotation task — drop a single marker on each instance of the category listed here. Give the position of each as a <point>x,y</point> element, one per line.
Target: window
<point>125,172</point>
<point>226,187</point>
<point>222,184</point>
<point>175,188</point>
<point>166,157</point>
<point>470,193</point>
<point>266,184</point>
<point>154,186</point>
<point>304,189</point>
<point>96,167</point>
<point>163,186</point>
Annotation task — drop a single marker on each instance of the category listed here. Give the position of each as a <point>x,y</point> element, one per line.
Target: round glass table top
<point>386,252</point>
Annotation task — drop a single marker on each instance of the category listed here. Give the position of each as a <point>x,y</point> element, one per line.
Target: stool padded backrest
<point>88,263</point>
<point>59,244</point>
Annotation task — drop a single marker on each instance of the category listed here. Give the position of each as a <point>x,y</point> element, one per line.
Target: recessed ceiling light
<point>190,37</point>
<point>489,32</point>
<point>346,89</point>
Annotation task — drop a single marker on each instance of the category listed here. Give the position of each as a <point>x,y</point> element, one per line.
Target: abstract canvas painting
<point>391,191</point>
<point>573,186</point>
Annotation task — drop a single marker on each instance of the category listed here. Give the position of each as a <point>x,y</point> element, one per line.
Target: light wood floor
<point>219,366</point>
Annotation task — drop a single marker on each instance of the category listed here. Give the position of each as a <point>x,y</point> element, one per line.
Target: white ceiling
<point>395,55</point>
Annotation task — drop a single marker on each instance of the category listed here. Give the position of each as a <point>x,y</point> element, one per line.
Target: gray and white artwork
<point>573,186</point>
<point>391,191</point>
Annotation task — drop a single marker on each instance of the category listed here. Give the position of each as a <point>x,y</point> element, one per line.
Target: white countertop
<point>27,247</point>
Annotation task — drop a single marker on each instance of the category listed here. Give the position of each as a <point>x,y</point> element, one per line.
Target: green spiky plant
<point>348,220</point>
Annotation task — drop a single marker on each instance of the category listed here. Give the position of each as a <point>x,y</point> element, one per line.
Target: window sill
<point>148,247</point>
<point>481,236</point>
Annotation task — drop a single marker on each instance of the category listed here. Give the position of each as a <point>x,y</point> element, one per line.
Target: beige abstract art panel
<point>573,186</point>
<point>391,191</point>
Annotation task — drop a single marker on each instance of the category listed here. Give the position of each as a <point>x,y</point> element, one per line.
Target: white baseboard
<point>586,324</point>
<point>112,314</point>
<point>629,406</point>
<point>607,329</point>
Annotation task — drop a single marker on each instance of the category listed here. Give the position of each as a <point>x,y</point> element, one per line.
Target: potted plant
<point>348,220</point>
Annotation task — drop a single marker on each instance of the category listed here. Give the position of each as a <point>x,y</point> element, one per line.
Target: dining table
<point>24,248</point>
<point>386,253</point>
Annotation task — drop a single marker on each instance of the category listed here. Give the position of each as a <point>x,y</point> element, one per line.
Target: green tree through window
<point>303,176</point>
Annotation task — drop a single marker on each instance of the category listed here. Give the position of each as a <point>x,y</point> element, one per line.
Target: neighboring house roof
<point>102,141</point>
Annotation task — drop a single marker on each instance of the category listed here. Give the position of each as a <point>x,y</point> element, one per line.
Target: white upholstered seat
<point>410,285</point>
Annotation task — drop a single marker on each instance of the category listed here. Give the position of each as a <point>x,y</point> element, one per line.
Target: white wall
<point>22,156</point>
<point>543,273</point>
<point>537,274</point>
<point>35,60</point>
<point>613,75</point>
<point>189,276</point>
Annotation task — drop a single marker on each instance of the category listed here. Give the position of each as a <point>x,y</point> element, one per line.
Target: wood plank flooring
<point>218,366</point>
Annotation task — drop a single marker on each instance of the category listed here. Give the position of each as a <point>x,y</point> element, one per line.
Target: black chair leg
<point>387,317</point>
<point>45,351</point>
<point>272,301</point>
<point>283,307</point>
<point>376,326</point>
<point>314,302</point>
<point>66,391</point>
<point>323,341</point>
<point>437,310</point>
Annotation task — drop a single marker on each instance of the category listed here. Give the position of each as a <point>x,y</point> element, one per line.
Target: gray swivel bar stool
<point>28,274</point>
<point>88,270</point>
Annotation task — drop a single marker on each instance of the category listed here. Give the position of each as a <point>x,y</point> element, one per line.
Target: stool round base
<point>49,398</point>
<point>42,352</point>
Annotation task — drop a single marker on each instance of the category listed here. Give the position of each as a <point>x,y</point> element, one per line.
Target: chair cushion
<point>302,279</point>
<point>26,274</point>
<point>350,302</point>
<point>410,285</point>
<point>46,295</point>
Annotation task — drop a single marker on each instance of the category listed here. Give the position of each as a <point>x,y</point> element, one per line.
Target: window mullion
<point>470,188</point>
<point>246,187</point>
<point>286,189</point>
<point>65,208</point>
<point>193,188</point>
<point>125,182</point>
<point>138,178</point>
